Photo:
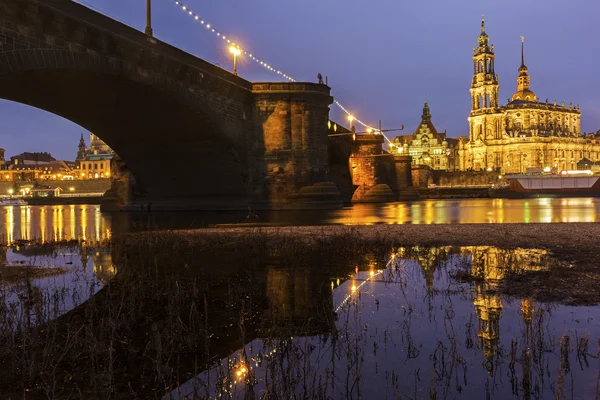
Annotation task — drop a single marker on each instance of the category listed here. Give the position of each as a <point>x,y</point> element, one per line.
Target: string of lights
<point>240,50</point>
<point>223,37</point>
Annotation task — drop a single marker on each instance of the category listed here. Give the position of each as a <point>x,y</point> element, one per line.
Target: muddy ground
<point>575,280</point>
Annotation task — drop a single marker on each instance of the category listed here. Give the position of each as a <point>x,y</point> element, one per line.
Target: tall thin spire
<point>523,80</point>
<point>482,23</point>
<point>522,51</point>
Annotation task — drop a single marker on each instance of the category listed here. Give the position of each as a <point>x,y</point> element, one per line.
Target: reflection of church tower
<point>489,311</point>
<point>527,310</point>
<point>484,87</point>
<point>429,260</point>
<point>81,150</point>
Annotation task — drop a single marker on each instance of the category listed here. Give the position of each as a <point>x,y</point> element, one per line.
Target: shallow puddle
<point>45,281</point>
<point>426,323</point>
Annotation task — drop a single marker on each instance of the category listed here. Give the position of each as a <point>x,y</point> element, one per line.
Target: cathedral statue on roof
<point>525,134</point>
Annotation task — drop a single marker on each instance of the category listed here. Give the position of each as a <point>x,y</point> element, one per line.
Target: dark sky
<point>384,58</point>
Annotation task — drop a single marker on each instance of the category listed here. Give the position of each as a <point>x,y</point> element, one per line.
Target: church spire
<point>523,80</point>
<point>483,37</point>
<point>522,51</point>
<point>81,150</point>
<point>523,68</point>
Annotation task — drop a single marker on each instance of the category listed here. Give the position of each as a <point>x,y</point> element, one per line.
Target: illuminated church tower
<point>484,87</point>
<point>524,135</point>
<point>81,149</point>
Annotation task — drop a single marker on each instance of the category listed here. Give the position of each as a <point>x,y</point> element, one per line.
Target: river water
<point>401,327</point>
<point>88,223</point>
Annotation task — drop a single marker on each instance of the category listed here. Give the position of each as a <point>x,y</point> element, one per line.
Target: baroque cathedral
<point>525,134</point>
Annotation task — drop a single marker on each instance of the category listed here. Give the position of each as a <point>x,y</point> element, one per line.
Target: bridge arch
<point>169,136</point>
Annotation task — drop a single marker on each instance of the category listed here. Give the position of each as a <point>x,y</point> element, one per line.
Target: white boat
<point>12,202</point>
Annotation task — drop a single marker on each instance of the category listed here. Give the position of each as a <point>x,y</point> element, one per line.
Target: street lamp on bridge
<point>236,52</point>
<point>148,30</point>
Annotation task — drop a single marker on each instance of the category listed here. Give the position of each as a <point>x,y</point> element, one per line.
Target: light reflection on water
<point>65,222</point>
<point>411,329</point>
<point>473,211</point>
<point>40,299</point>
<point>54,223</point>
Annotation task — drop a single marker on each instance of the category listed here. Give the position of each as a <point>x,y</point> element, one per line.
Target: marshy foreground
<point>401,311</point>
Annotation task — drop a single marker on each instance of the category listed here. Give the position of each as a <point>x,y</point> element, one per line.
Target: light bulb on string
<point>262,63</point>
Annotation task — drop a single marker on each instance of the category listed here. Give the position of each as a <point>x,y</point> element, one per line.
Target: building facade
<point>525,134</point>
<point>428,147</point>
<point>94,162</point>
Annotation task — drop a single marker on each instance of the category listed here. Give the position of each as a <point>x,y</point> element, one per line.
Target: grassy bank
<point>184,299</point>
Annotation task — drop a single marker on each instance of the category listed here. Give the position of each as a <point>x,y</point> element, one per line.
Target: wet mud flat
<point>575,280</point>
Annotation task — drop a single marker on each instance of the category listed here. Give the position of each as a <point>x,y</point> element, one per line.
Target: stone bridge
<point>188,134</point>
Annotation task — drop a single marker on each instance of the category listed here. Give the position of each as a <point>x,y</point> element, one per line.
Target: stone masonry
<point>186,129</point>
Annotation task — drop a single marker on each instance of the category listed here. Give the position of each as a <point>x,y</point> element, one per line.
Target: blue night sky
<point>384,58</point>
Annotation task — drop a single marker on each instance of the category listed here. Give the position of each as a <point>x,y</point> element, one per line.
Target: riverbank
<point>574,280</point>
<point>183,299</point>
<point>66,200</point>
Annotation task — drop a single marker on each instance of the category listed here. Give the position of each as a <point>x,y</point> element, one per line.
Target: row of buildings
<point>93,162</point>
<point>526,133</point>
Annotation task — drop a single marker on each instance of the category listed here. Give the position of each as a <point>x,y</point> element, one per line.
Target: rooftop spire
<point>522,51</point>
<point>483,37</point>
<point>523,68</point>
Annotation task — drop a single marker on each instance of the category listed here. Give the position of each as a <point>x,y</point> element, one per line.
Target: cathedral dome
<point>524,95</point>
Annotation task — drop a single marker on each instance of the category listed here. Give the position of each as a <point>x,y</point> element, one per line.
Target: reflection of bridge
<point>191,135</point>
<point>222,307</point>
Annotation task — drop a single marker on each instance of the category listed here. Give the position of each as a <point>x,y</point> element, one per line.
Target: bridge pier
<point>292,147</point>
<point>367,166</point>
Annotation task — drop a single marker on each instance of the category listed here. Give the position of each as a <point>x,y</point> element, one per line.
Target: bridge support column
<point>403,169</point>
<point>291,154</point>
<point>365,167</point>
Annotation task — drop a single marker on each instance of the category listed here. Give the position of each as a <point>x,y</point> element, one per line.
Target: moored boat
<point>564,185</point>
<point>12,202</point>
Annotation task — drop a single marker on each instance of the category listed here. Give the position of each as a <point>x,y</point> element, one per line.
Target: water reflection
<point>38,283</point>
<point>55,223</point>
<point>429,323</point>
<point>87,222</point>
